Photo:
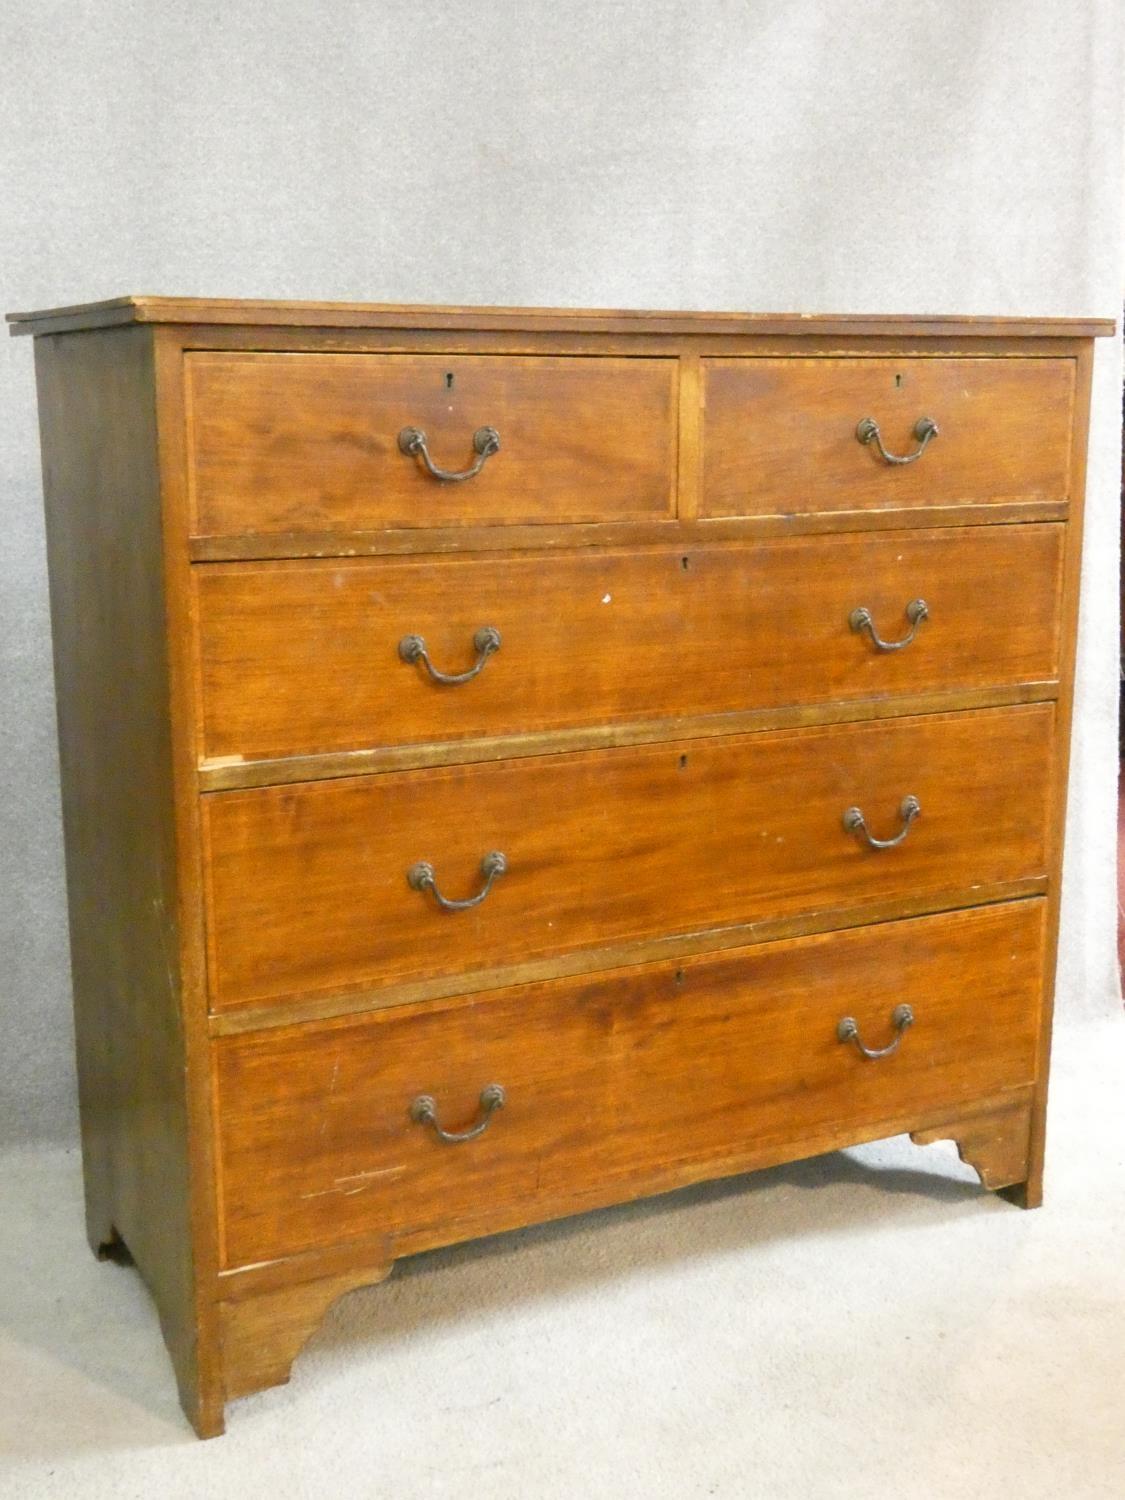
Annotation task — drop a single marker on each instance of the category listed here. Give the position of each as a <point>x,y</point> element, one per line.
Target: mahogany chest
<point>517,761</point>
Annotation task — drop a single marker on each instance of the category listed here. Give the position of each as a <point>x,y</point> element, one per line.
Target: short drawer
<point>615,1083</point>
<point>302,658</point>
<point>320,887</point>
<point>316,442</point>
<point>782,435</point>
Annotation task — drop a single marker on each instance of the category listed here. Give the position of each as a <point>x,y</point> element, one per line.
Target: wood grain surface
<point>144,1173</point>
<point>302,658</point>
<point>285,442</point>
<point>609,1075</point>
<point>416,541</point>
<point>256,313</point>
<point>670,540</point>
<point>308,884</point>
<point>995,1143</point>
<point>779,435</point>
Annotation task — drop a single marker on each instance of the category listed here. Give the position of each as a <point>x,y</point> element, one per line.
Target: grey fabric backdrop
<point>871,156</point>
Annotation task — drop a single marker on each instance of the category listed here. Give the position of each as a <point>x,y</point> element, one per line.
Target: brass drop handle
<point>925,430</point>
<point>486,442</point>
<point>421,878</point>
<point>855,822</point>
<point>861,619</point>
<point>847,1030</point>
<point>423,1111</point>
<point>486,643</point>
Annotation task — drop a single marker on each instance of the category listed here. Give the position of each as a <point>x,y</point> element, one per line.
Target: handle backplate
<point>902,1017</point>
<point>861,619</point>
<point>486,441</point>
<point>855,822</point>
<point>486,642</point>
<point>421,877</point>
<point>925,430</point>
<point>423,1111</point>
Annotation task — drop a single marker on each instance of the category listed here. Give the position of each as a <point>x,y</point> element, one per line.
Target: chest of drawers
<point>517,761</point>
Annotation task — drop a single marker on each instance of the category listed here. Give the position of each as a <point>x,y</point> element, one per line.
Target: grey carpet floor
<point>867,1324</point>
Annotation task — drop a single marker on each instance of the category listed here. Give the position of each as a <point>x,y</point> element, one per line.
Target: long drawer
<point>321,887</point>
<point>308,657</point>
<point>783,435</point>
<point>315,442</point>
<point>614,1079</point>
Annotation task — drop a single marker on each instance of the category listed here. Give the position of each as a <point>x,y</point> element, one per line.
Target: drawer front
<point>303,657</point>
<point>615,1077</point>
<point>310,442</point>
<point>308,885</point>
<point>780,434</point>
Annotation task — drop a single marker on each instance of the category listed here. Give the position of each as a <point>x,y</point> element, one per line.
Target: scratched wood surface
<point>609,1074</point>
<point>658,976</point>
<point>216,314</point>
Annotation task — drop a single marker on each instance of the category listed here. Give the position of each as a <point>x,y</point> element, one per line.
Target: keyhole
<point>449,380</point>
<point>684,564</point>
<point>898,381</point>
<point>683,762</point>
